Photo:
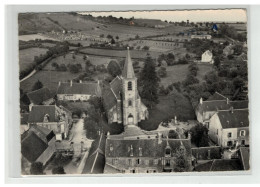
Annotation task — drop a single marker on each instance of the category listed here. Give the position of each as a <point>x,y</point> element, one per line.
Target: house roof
<point>32,146</point>
<point>236,119</point>
<point>208,52</point>
<point>109,99</point>
<point>78,88</point>
<point>215,105</point>
<point>24,118</point>
<point>39,111</point>
<point>95,162</point>
<point>216,97</point>
<point>220,165</point>
<point>128,71</point>
<point>244,153</point>
<point>116,86</point>
<point>38,96</point>
<point>201,153</point>
<point>149,147</point>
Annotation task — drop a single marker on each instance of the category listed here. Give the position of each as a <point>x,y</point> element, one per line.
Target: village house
<point>37,145</point>
<point>121,100</point>
<point>40,97</point>
<point>24,126</point>
<point>152,154</point>
<point>202,36</point>
<point>51,117</point>
<point>207,57</point>
<point>206,109</point>
<point>71,91</point>
<point>228,128</point>
<point>244,157</point>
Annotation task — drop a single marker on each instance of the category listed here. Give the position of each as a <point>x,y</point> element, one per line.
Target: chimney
<point>80,81</point>
<point>232,110</point>
<point>81,146</point>
<point>71,145</point>
<point>201,101</point>
<point>189,135</point>
<point>159,138</point>
<point>227,101</point>
<point>59,83</point>
<point>175,119</point>
<point>70,82</point>
<point>209,154</point>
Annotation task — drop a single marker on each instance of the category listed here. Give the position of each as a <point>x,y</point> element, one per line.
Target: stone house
<point>37,145</point>
<point>229,127</point>
<point>42,96</point>
<point>146,155</point>
<point>51,117</point>
<point>207,57</point>
<point>206,109</point>
<point>77,91</point>
<point>202,36</point>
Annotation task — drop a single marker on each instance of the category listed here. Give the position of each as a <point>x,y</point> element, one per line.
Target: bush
<point>36,168</point>
<point>162,72</point>
<point>173,134</point>
<point>58,170</point>
<point>146,48</point>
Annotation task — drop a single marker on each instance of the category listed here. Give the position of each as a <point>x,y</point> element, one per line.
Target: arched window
<point>129,85</point>
<point>129,103</point>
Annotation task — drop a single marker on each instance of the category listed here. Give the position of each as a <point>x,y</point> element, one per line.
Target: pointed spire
<point>128,71</point>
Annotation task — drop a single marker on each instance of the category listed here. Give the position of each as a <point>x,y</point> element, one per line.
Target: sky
<point>225,15</point>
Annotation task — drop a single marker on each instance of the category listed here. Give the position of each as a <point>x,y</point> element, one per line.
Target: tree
<point>84,57</point>
<point>113,41</point>
<point>74,57</point>
<point>146,48</point>
<point>113,68</point>
<point>162,72</point>
<point>58,170</point>
<point>173,134</point>
<point>117,37</point>
<point>37,85</point>
<point>36,168</point>
<point>149,82</point>
<point>199,135</point>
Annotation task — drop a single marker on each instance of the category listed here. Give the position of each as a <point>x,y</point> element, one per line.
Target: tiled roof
<point>109,99</point>
<point>239,118</point>
<point>39,111</point>
<point>24,118</point>
<point>216,97</point>
<point>38,96</point>
<point>222,105</point>
<point>202,152</point>
<point>244,153</point>
<point>78,88</point>
<point>116,86</point>
<point>128,71</point>
<point>95,162</point>
<point>150,147</point>
<point>220,165</point>
<point>32,146</point>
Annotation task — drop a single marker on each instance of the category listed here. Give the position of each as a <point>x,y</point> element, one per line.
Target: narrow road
<point>28,76</point>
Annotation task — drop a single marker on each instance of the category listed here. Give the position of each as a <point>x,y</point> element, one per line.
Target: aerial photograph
<point>133,92</point>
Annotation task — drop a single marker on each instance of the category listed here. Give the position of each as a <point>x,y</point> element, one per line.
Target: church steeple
<point>128,71</point>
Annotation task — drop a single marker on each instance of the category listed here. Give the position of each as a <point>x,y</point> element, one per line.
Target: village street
<point>81,147</point>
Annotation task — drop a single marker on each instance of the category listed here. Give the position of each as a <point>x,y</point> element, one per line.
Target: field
<point>95,60</point>
<point>49,79</point>
<point>33,37</point>
<point>169,106</point>
<point>26,56</point>
<point>178,73</point>
<point>121,54</point>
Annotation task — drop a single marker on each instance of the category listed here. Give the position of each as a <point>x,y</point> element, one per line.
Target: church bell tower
<point>130,93</point>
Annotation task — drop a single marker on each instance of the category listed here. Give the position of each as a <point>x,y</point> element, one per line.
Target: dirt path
<point>28,76</point>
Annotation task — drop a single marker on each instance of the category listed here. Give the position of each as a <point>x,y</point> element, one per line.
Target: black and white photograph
<point>134,92</point>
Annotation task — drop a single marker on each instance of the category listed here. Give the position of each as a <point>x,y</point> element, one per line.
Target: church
<point>122,101</point>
